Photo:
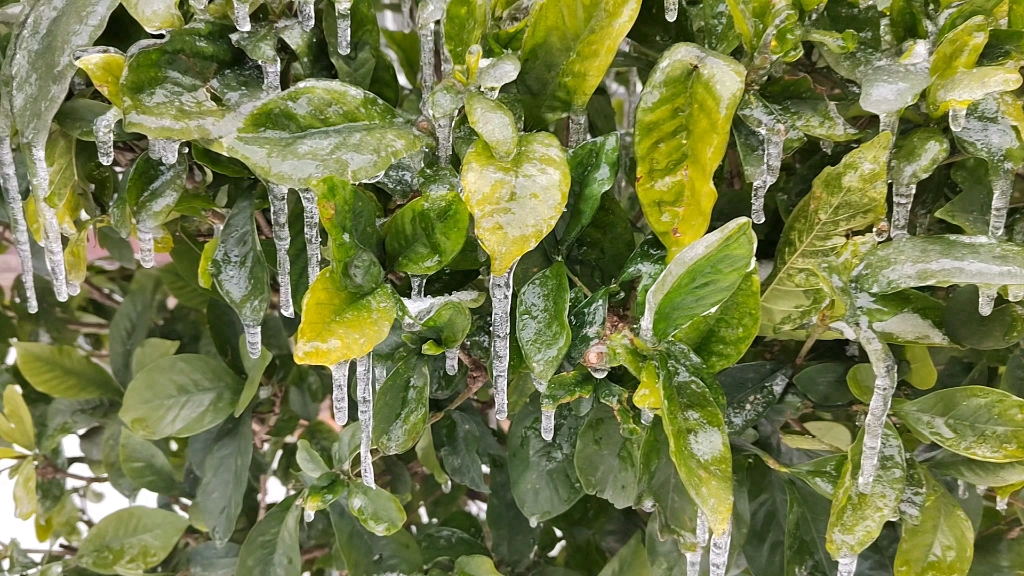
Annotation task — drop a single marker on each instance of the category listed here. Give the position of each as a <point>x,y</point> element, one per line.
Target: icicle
<point>774,138</point>
<point>311,219</point>
<point>406,8</point>
<point>447,486</point>
<point>1015,293</point>
<point>16,210</point>
<point>443,131</point>
<point>103,130</point>
<point>889,122</point>
<point>1002,502</point>
<point>447,65</point>
<point>265,392</point>
<point>147,256</point>
<point>198,4</point>
<point>577,127</point>
<point>902,198</point>
<point>1002,188</point>
<point>693,558</point>
<point>253,339</point>
<point>271,75</point>
<point>343,15</point>
<point>501,307</point>
<point>164,150</point>
<point>957,117</point>
<point>241,15</point>
<point>40,182</point>
<point>987,299</point>
<point>339,377</point>
<point>847,564</point>
<point>427,78</point>
<point>307,15</point>
<point>308,515</point>
<point>547,423</point>
<point>380,374</point>
<point>451,361</point>
<point>881,230</point>
<point>671,10</point>
<point>282,239</point>
<point>73,288</point>
<point>961,489</point>
<point>827,146</point>
<point>980,490</point>
<point>364,399</point>
<point>419,286</point>
<point>885,382</point>
<point>534,521</point>
<point>719,555</point>
<point>416,301</point>
<point>646,416</point>
<point>693,562</point>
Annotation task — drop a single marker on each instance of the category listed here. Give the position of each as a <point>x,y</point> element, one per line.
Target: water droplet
<point>308,515</point>
<point>881,230</point>
<point>827,146</point>
<point>1002,502</point>
<point>648,506</point>
<point>534,521</point>
<point>646,416</point>
<point>447,486</point>
<point>265,392</point>
<point>671,10</point>
<point>957,117</point>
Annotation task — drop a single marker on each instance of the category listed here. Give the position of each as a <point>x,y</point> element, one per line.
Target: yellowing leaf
<point>105,71</point>
<point>16,423</point>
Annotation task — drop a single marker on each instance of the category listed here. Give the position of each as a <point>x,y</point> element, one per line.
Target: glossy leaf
<point>376,509</point>
<point>427,233</point>
<point>104,70</point>
<point>542,321</point>
<point>941,543</point>
<point>130,540</point>
<point>594,166</point>
<point>272,546</point>
<point>239,269</point>
<point>146,465</point>
<point>366,554</point>
<point>62,372</point>
<point>155,15</point>
<point>607,463</point>
<point>401,408</point>
<point>494,123</point>
<point>224,475</point>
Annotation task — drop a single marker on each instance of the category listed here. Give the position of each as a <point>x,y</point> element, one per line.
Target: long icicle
<point>501,328</point>
<point>451,361</point>
<point>253,339</point>
<point>364,399</point>
<point>339,378</point>
<point>311,221</point>
<point>1002,189</point>
<point>40,181</point>
<point>547,423</point>
<point>774,139</point>
<point>427,73</point>
<point>577,127</point>
<point>147,250</point>
<point>719,555</point>
<point>693,558</point>
<point>103,131</point>
<point>902,198</point>
<point>884,366</point>
<point>9,180</point>
<point>282,239</point>
<point>307,14</point>
<point>241,15</point>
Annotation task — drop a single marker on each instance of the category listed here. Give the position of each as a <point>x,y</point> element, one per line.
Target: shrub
<point>556,287</point>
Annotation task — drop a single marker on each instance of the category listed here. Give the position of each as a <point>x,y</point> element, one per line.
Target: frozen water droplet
<point>980,490</point>
<point>547,423</point>
<point>418,285</point>
<point>1002,189</point>
<point>987,299</point>
<point>501,307</point>
<point>884,366</point>
<point>364,400</point>
<point>308,515</point>
<point>164,150</point>
<point>451,361</point>
<point>1015,293</point>
<point>147,251</point>
<point>16,210</point>
<point>847,565</point>
<point>271,75</point>
<point>957,117</point>
<point>646,416</point>
<point>827,146</point>
<point>1002,502</point>
<point>282,239</point>
<point>577,127</point>
<point>253,339</point>
<point>241,15</point>
<point>307,15</point>
<point>443,131</point>
<point>902,198</point>
<point>598,371</point>
<point>671,10</point>
<point>40,184</point>
<point>961,489</point>
<point>73,288</point>
<point>265,392</point>
<point>853,349</point>
<point>534,521</point>
<point>774,139</point>
<point>881,230</point>
<point>339,378</point>
<point>719,555</point>
<point>889,122</point>
<point>103,130</point>
<point>648,505</point>
<point>343,13</point>
<point>447,486</point>
<point>311,221</point>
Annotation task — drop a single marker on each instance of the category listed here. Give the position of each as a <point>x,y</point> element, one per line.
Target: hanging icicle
<point>311,221</point>
<point>282,239</point>
<point>147,250</point>
<point>307,14</point>
<point>253,339</point>
<point>671,10</point>
<point>443,127</point>
<point>103,131</point>
<point>577,127</point>
<point>40,184</point>
<point>693,558</point>
<point>774,139</point>
<point>884,365</point>
<point>364,400</point>
<point>1002,189</point>
<point>271,75</point>
<point>719,555</point>
<point>241,15</point>
<point>547,423</point>
<point>847,565</point>
<point>501,307</point>
<point>902,198</point>
<point>164,150</point>
<point>987,299</point>
<point>16,210</point>
<point>343,15</point>
<point>451,361</point>
<point>339,378</point>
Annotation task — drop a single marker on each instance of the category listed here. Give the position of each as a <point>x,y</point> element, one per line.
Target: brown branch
<point>476,379</point>
<point>265,230</point>
<point>314,553</point>
<point>47,471</point>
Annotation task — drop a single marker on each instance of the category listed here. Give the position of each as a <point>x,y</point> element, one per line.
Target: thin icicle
<point>416,301</point>
<point>419,286</point>
<point>980,490</point>
<point>889,122</point>
<point>40,184</point>
<point>693,558</point>
<point>343,16</point>
<point>307,15</point>
<point>147,251</point>
<point>271,75</point>
<point>987,299</point>
<point>693,561</point>
<point>501,307</point>
<point>103,130</point>
<point>311,220</point>
<point>577,127</point>
<point>380,374</point>
<point>1002,189</point>
<point>443,131</point>
<point>164,150</point>
<point>1015,293</point>
<point>847,564</point>
<point>308,515</point>
<point>339,377</point>
<point>774,139</point>
<point>646,416</point>
<point>547,423</point>
<point>902,198</point>
<point>957,117</point>
<point>447,486</point>
<point>282,239</point>
<point>671,10</point>
<point>241,15</point>
<point>451,361</point>
<point>1002,502</point>
<point>364,399</point>
<point>719,555</point>
<point>447,65</point>
<point>16,210</point>
<point>885,382</point>
<point>253,339</point>
<point>427,77</point>
<point>827,146</point>
<point>961,489</point>
<point>198,4</point>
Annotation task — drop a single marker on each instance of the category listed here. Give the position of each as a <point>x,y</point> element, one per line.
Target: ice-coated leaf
<point>515,203</point>
<point>464,24</point>
<point>367,554</point>
<point>272,546</point>
<point>189,86</point>
<point>339,325</point>
<point>239,268</point>
<point>319,128</point>
<point>750,390</point>
<point>494,123</point>
<point>594,166</point>
<point>977,422</point>
<point>607,463</point>
<point>376,509</point>
<point>566,49</point>
<point>699,279</point>
<point>153,188</point>
<point>682,129</point>
<point>992,131</point>
<point>130,540</point>
<point>977,472</point>
<point>587,324</point>
<point>915,155</point>
<point>104,70</point>
<point>722,337</point>
<point>427,233</point>
<point>155,15</point>
<point>62,372</point>
<point>542,320</point>
<point>803,105</point>
<point>941,543</point>
<point>659,485</point>
<point>400,408</point>
<point>857,517</point>
<point>180,396</point>
<point>848,196</point>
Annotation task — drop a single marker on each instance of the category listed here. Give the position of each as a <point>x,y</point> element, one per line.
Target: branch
<point>476,378</point>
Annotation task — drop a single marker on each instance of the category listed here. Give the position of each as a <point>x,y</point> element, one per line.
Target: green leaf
<point>544,481</point>
<point>723,337</point>
<point>427,233</point>
<point>254,368</point>
<point>339,325</point>
<point>366,554</point>
<point>366,65</point>
<point>587,325</point>
<point>512,538</point>
<point>698,440</point>
<point>977,422</point>
<point>750,390</point>
<point>146,465</point>
<point>941,543</point>
<point>427,456</point>
<point>857,517</point>
<point>349,215</point>
<point>660,485</point>
<point>607,463</point>
<point>464,24</point>
<point>320,127</point>
<point>180,396</point>
<point>977,472</point>
<point>376,509</point>
<point>449,325</point>
<point>822,474</point>
<point>444,542</point>
<point>153,188</point>
<point>459,453</point>
<point>131,323</point>
<point>155,15</point>
<point>806,523</point>
<point>151,350</point>
<point>309,461</point>
<point>104,70</point>
<point>630,560</point>
<point>224,476</point>
<point>677,153</point>
<point>804,106</point>
<point>494,123</point>
<point>823,383</point>
<point>239,268</point>
<point>475,565</point>
<point>401,407</point>
<point>272,546</point>
<point>26,502</point>
<point>130,540</point>
<point>917,154</point>
<point>594,166</point>
<point>849,196</point>
<point>1002,327</point>
<point>515,203</point>
<point>542,321</point>
<point>16,422</point>
<point>62,372</point>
